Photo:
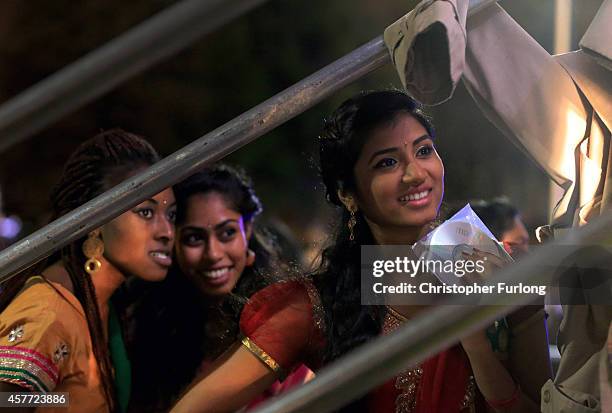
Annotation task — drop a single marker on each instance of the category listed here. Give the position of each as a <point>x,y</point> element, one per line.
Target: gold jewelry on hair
<point>93,248</point>
<point>351,224</point>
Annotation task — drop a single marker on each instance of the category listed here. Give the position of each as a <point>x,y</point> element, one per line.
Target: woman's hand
<point>492,377</point>
<point>490,262</point>
<point>478,341</point>
<point>223,389</point>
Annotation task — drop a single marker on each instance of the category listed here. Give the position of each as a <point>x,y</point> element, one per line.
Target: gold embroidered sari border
<point>318,313</point>
<point>264,357</point>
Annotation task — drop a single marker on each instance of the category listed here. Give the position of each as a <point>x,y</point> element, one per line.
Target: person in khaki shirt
<point>60,330</point>
<point>558,109</point>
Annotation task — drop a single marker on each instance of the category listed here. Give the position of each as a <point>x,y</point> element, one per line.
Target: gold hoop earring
<point>93,248</point>
<point>351,225</point>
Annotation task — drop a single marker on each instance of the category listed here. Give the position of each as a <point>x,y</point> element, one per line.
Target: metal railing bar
<point>440,327</point>
<point>96,73</point>
<point>184,162</point>
<point>209,148</point>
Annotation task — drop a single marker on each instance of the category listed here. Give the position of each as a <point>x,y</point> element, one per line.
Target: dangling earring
<point>351,224</point>
<point>93,248</point>
<point>250,257</point>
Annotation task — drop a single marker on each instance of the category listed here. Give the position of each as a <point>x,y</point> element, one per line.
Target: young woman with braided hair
<point>59,328</point>
<point>380,166</point>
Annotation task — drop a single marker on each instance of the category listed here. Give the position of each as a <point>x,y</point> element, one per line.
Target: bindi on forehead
<point>167,202</point>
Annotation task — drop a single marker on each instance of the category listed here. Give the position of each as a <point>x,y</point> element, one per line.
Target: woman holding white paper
<point>379,164</point>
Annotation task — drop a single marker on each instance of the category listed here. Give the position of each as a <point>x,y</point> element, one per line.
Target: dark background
<point>233,69</point>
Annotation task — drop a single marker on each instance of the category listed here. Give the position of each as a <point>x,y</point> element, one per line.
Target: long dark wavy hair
<point>176,326</point>
<point>338,276</point>
<point>95,166</point>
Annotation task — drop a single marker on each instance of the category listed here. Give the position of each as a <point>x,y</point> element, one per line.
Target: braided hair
<point>193,325</point>
<point>95,166</point>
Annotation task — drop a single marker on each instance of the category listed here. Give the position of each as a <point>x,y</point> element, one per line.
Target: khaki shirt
<point>557,109</point>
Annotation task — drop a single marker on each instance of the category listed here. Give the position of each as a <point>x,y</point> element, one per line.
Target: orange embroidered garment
<point>45,347</point>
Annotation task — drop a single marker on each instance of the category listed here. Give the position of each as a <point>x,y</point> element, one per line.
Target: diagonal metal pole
<point>210,147</point>
<point>442,326</point>
<point>96,73</point>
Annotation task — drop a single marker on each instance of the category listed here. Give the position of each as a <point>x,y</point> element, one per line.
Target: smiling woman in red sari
<point>380,166</point>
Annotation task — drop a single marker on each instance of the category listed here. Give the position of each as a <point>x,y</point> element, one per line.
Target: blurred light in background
<point>561,44</point>
<point>9,227</point>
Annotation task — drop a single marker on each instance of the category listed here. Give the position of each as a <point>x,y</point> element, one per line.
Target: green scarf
<point>120,360</point>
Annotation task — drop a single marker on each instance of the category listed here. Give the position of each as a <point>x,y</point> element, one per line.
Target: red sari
<point>283,325</point>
